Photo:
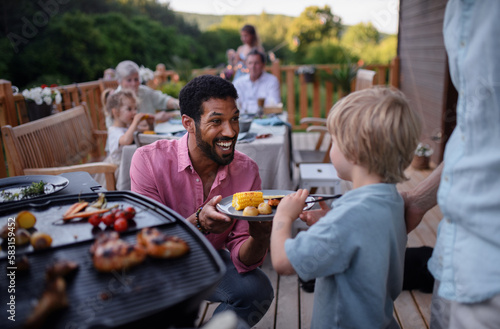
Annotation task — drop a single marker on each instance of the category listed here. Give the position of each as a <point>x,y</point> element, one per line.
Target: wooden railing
<point>300,98</point>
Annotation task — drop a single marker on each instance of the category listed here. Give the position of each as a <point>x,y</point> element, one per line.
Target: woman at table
<point>150,100</point>
<point>250,40</point>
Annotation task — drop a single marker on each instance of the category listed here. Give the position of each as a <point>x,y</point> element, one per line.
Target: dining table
<point>267,142</point>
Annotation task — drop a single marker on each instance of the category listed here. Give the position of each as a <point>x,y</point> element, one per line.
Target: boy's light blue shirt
<point>356,252</point>
<point>466,257</point>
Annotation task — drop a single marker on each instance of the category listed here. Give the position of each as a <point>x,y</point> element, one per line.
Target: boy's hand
<point>312,216</point>
<point>142,121</point>
<point>138,118</point>
<point>292,205</point>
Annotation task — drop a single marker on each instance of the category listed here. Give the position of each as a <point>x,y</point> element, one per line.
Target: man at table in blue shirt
<point>466,257</point>
<point>257,84</point>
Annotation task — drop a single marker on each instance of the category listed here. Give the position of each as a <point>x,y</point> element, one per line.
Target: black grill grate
<point>116,299</point>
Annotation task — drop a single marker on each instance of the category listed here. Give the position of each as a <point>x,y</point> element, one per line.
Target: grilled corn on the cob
<point>243,199</point>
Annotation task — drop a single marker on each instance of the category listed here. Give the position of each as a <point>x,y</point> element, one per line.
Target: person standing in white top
<point>257,84</point>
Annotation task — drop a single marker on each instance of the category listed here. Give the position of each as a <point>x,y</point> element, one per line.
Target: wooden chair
<point>61,143</point>
<point>364,79</point>
<point>318,154</point>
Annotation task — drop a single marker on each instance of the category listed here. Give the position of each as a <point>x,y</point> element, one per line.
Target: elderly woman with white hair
<point>150,100</point>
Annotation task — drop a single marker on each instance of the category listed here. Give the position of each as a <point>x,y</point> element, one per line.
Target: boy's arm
<point>128,137</point>
<point>288,211</point>
<point>281,232</point>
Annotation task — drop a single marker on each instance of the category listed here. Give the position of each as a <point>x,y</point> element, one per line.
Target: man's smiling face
<point>218,129</point>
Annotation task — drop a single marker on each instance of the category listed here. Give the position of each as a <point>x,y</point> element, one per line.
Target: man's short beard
<point>209,150</point>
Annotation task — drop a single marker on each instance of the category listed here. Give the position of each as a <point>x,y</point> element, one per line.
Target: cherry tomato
<point>130,212</point>
<point>120,214</point>
<point>108,219</point>
<point>121,225</point>
<point>95,220</point>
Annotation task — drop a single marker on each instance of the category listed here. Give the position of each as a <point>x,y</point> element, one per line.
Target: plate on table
<point>225,206</point>
<point>12,185</point>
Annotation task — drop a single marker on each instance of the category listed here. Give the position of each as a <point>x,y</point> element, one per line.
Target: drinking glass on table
<point>239,104</point>
<point>260,104</point>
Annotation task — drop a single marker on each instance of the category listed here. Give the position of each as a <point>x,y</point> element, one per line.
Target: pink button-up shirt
<point>163,171</point>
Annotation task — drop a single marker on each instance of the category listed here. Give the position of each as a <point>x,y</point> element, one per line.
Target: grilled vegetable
<point>76,207</point>
<point>99,203</point>
<point>244,199</point>
<point>250,211</point>
<point>9,227</point>
<point>85,214</point>
<point>40,240</point>
<point>26,219</point>
<point>265,209</point>
<point>22,236</point>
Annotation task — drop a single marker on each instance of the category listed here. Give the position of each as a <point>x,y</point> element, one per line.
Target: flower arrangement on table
<point>146,74</point>
<point>308,71</point>
<point>421,159</point>
<point>423,150</point>
<point>43,94</point>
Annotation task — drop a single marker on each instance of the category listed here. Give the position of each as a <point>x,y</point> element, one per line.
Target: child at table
<point>121,107</point>
<point>356,250</point>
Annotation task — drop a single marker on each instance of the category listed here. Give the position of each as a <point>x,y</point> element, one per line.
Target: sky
<point>383,14</point>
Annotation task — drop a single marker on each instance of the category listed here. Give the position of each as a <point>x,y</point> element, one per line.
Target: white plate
<point>16,184</point>
<point>225,206</point>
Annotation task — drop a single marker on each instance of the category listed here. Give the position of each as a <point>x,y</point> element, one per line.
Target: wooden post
<point>303,101</point>
<point>316,99</point>
<point>7,116</point>
<point>276,69</point>
<point>290,94</point>
<point>394,72</point>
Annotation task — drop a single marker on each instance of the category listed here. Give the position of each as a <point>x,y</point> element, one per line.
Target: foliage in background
<point>172,88</point>
<point>182,67</point>
<point>342,76</point>
<point>215,40</point>
<point>79,39</point>
<point>364,41</point>
<point>327,52</point>
<point>314,24</point>
<point>271,29</point>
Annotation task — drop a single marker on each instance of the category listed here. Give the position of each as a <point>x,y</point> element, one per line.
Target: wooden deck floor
<point>292,307</point>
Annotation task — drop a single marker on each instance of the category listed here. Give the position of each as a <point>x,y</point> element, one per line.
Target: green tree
<point>361,35</point>
<point>384,52</point>
<point>366,42</point>
<point>313,24</point>
<point>215,42</point>
<point>328,52</point>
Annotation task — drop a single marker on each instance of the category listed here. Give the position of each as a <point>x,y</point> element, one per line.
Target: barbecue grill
<point>157,293</point>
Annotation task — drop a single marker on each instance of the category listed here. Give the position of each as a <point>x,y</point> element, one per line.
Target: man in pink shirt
<point>192,174</point>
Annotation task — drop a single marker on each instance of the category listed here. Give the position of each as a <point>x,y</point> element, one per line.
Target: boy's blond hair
<point>377,129</point>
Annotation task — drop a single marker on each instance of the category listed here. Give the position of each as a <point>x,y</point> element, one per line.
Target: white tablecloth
<point>271,154</point>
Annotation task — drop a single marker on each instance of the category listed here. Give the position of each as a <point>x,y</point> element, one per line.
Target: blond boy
<point>356,250</point>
